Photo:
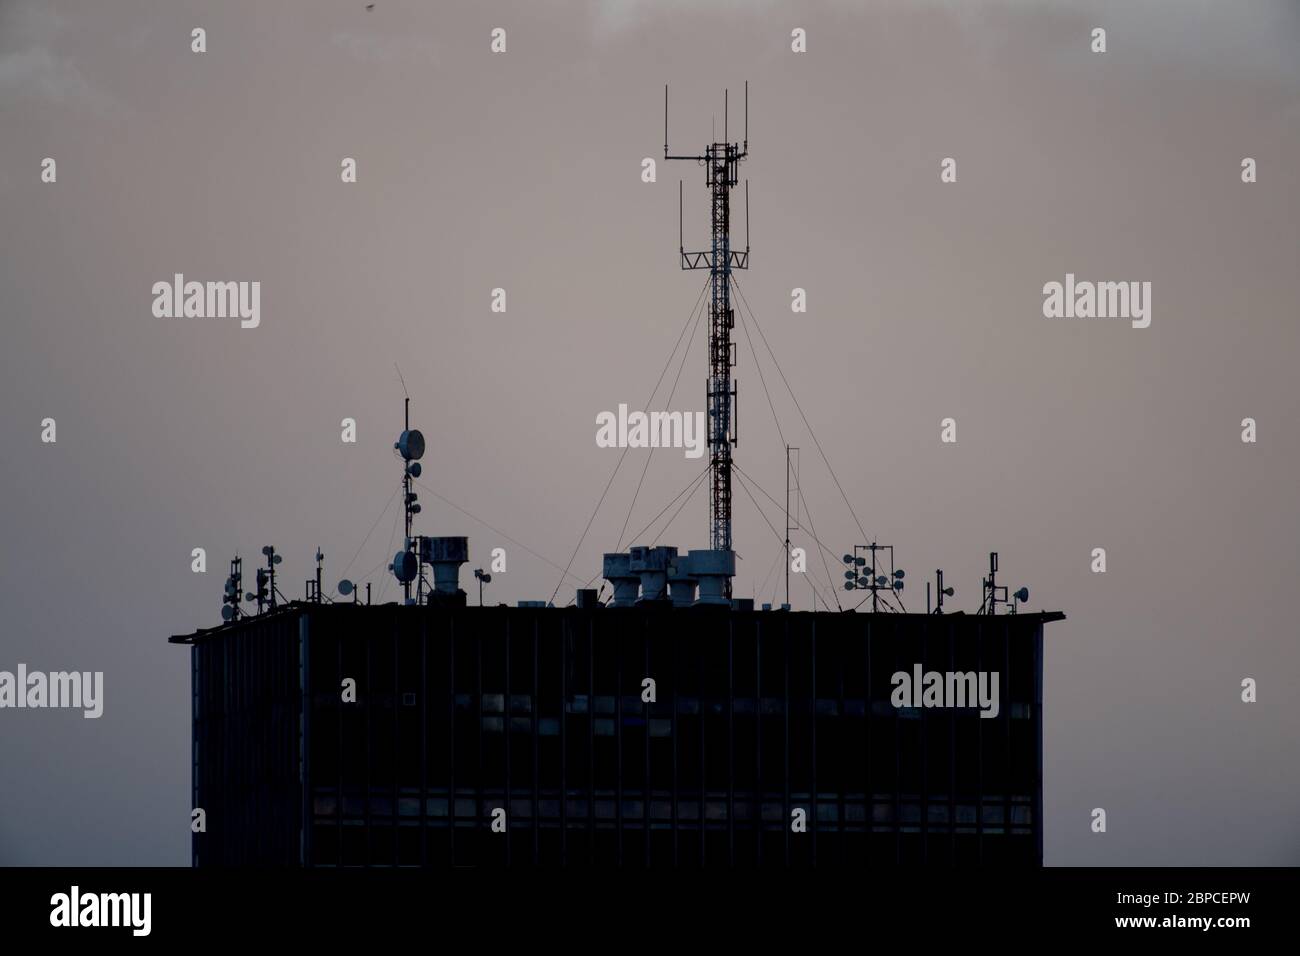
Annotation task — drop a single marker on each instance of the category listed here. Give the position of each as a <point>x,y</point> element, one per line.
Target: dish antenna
<point>266,578</point>
<point>405,567</point>
<point>410,446</point>
<point>870,575</point>
<point>346,587</point>
<point>230,602</point>
<point>995,594</point>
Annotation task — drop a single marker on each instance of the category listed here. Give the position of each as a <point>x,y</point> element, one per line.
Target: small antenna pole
<point>665,121</point>
<point>681,236</point>
<point>408,565</point>
<point>746,149</point>
<point>787,525</point>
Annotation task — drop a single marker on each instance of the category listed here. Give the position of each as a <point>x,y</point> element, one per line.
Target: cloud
<point>387,48</point>
<point>38,72</point>
<point>31,70</point>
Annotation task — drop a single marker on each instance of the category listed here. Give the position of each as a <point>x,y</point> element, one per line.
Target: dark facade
<point>460,712</point>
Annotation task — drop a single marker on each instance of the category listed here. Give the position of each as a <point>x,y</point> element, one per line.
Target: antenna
<point>788,449</point>
<point>267,582</point>
<point>941,590</point>
<point>410,447</point>
<point>346,587</point>
<point>995,594</point>
<point>859,576</point>
<point>483,578</point>
<point>722,162</point>
<point>230,610</point>
<point>320,557</point>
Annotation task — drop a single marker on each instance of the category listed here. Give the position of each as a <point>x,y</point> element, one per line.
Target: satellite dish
<point>861,561</point>
<point>849,575</point>
<point>487,579</point>
<point>276,559</point>
<point>346,587</point>
<point>227,613</point>
<point>416,509</point>
<point>898,585</point>
<point>411,444</point>
<point>881,581</point>
<point>948,592</point>
<point>848,585</point>
<point>848,559</point>
<point>1022,595</point>
<point>230,587</point>
<point>268,550</point>
<point>404,566</point>
<point>900,573</point>
<point>250,596</point>
<point>414,469</point>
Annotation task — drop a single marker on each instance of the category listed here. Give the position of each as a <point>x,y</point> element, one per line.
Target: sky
<point>522,171</point>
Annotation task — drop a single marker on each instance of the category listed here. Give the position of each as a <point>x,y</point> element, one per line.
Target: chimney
<point>625,583</point>
<point>445,555</point>
<point>713,569</point>
<point>652,565</point>
<point>681,583</point>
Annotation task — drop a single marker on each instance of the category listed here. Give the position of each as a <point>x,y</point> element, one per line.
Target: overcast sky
<point>522,171</point>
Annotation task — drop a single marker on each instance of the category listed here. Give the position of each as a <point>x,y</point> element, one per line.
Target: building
<point>758,719</point>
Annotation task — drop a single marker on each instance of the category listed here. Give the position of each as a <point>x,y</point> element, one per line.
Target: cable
<point>811,532</point>
<point>820,451</point>
<point>768,576</point>
<point>698,313</point>
<point>762,378</point>
<point>446,500</point>
<point>822,549</point>
<point>689,489</point>
<point>397,520</point>
<point>619,465</point>
<point>664,530</point>
<point>744,484</point>
<point>378,518</point>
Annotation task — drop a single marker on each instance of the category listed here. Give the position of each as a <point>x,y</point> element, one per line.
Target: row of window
<point>522,704</point>
<point>827,808</point>
<point>684,846</point>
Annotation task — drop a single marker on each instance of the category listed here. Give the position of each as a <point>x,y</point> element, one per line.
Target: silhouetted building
<point>461,712</point>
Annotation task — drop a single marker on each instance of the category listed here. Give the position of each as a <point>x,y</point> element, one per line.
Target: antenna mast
<point>406,566</point>
<point>721,161</point>
<point>788,449</point>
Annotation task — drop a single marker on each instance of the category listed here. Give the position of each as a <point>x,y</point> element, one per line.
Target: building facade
<point>354,735</point>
